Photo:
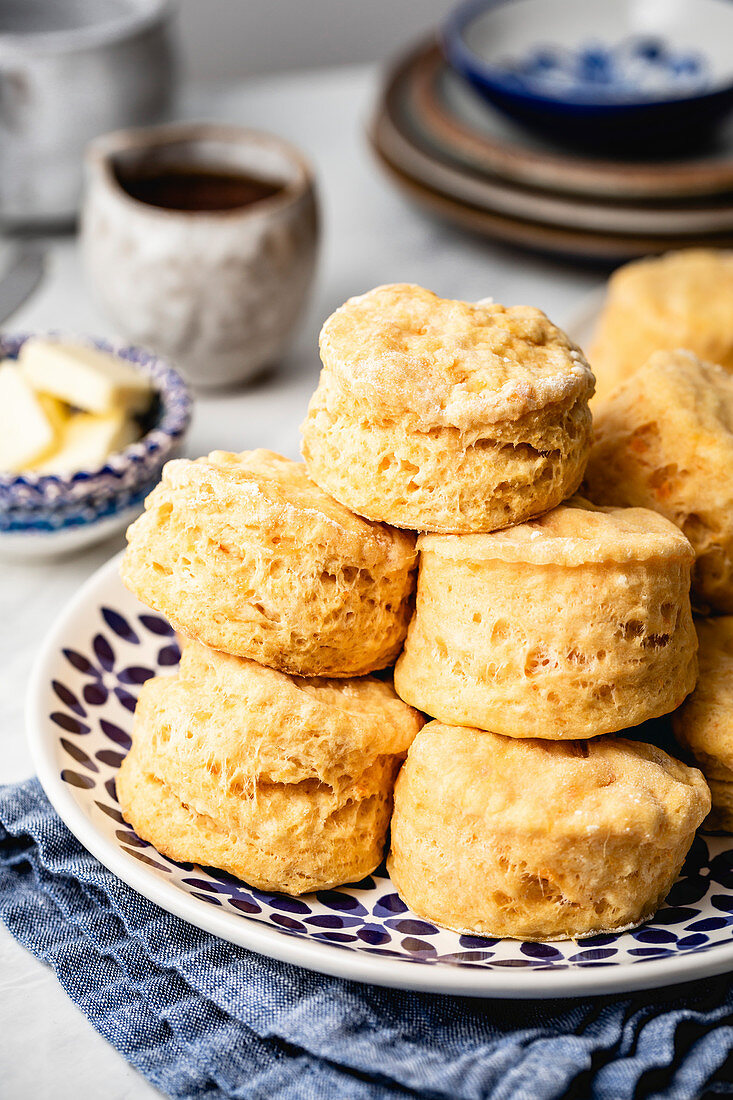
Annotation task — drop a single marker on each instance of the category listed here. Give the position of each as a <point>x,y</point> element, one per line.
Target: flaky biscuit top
<point>550,789</point>
<point>693,400</point>
<point>689,291</point>
<point>263,490</point>
<point>575,533</point>
<point>401,352</point>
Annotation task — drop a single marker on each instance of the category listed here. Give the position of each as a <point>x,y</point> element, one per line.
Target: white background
<point>222,39</point>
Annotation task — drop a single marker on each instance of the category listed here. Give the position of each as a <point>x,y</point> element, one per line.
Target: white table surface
<point>47,1048</point>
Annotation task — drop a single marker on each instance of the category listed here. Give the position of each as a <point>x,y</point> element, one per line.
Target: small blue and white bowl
<point>600,73</point>
<point>43,515</point>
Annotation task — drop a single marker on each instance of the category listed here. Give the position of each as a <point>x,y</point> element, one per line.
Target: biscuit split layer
<point>704,725</point>
<point>445,416</point>
<point>664,440</point>
<point>539,841</point>
<point>246,554</point>
<point>572,625</point>
<point>312,843</point>
<point>285,783</point>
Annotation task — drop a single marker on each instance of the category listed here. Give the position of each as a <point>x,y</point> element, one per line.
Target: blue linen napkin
<point>201,1018</point>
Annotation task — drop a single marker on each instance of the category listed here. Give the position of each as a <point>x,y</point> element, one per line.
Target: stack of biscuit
<point>664,440</point>
<point>271,753</point>
<point>451,438</point>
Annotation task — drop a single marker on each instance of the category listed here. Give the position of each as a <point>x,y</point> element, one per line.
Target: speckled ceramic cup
<point>219,292</point>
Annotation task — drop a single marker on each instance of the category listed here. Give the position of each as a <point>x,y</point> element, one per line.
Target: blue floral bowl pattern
<point>84,701</point>
<point>46,503</point>
<point>632,69</point>
<point>597,73</point>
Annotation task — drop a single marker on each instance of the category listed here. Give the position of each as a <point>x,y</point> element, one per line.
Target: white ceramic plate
<point>80,705</point>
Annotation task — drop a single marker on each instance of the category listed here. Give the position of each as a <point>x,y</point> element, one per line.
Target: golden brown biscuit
<point>664,440</point>
<point>704,725</point>
<point>284,782</point>
<point>446,416</point>
<point>245,554</point>
<point>680,300</point>
<point>572,625</point>
<point>257,724</point>
<point>295,840</point>
<point>539,841</point>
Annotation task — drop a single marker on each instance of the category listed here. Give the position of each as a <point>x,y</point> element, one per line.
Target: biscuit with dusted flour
<point>704,724</point>
<point>664,440</point>
<point>245,554</point>
<point>568,626</point>
<point>679,300</point>
<point>446,416</point>
<point>538,840</point>
<point>283,781</point>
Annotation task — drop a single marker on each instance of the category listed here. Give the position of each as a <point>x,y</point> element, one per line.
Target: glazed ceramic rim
<point>471,65</point>
<point>534,236</point>
<point>318,956</point>
<point>102,150</point>
<point>418,72</point>
<point>419,160</point>
<point>142,15</point>
<point>30,543</point>
<point>157,443</point>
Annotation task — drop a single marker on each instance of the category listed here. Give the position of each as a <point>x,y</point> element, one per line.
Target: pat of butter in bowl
<point>66,407</point>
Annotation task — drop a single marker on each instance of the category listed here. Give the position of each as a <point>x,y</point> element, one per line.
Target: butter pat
<point>58,412</point>
<point>87,441</point>
<point>92,380</point>
<point>26,432</point>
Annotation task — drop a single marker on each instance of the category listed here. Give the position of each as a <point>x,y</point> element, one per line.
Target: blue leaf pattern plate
<point>81,701</point>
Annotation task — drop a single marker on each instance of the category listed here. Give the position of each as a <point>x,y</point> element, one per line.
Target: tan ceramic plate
<point>559,240</point>
<point>499,196</point>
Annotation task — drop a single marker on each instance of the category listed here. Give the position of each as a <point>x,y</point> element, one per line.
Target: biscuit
<point>664,440</point>
<point>244,553</point>
<point>296,839</point>
<point>445,416</point>
<point>569,626</point>
<point>254,722</point>
<point>720,818</point>
<point>283,782</point>
<point>704,725</point>
<point>537,840</point>
<point>679,300</point>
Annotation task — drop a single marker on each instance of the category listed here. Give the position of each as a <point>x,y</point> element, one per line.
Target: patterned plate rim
<point>318,956</point>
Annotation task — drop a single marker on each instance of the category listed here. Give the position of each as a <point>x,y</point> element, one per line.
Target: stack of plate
<point>460,158</point>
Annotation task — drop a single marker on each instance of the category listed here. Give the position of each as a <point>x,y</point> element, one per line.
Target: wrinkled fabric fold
<point>202,1018</point>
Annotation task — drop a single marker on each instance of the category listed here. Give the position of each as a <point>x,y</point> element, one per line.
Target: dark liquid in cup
<point>195,189</point>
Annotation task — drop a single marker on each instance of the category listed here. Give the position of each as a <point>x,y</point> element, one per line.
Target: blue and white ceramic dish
<point>81,698</point>
<point>47,514</point>
<point>602,73</point>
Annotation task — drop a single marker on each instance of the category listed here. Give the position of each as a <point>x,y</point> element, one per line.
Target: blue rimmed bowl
<point>42,515</point>
<point>599,74</point>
